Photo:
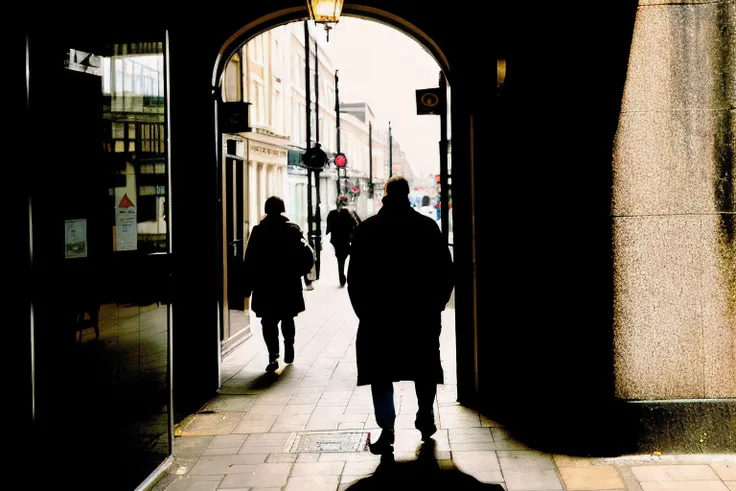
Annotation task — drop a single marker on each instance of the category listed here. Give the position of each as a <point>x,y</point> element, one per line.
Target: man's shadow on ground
<point>423,473</point>
<point>267,380</point>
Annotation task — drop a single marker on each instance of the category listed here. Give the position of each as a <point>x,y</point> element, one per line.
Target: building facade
<point>269,72</point>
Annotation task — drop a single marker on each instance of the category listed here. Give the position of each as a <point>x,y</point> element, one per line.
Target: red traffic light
<point>341,160</point>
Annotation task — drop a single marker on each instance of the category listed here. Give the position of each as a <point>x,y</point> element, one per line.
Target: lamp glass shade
<point>325,10</point>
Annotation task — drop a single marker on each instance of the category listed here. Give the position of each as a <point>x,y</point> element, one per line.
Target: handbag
<point>306,260</point>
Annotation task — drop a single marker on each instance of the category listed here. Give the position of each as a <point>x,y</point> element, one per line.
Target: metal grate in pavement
<point>331,441</point>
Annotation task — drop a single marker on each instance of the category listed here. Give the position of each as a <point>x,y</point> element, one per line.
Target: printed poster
<point>126,226</point>
<point>75,238</point>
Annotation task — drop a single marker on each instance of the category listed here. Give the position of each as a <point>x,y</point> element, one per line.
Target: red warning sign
<point>125,202</point>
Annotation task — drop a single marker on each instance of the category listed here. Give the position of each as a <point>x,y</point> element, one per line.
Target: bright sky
<point>384,67</point>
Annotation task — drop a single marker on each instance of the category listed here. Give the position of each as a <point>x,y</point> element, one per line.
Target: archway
<point>286,16</point>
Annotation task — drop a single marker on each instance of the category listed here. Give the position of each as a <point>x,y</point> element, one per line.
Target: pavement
<point>305,427</point>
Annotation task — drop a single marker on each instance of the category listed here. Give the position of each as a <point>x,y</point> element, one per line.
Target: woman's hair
<point>274,206</point>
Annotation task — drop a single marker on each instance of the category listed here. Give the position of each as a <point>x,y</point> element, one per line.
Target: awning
<point>294,157</point>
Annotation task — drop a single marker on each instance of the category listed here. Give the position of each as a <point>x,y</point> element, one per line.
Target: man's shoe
<point>273,363</point>
<point>309,287</point>
<point>289,354</point>
<point>384,444</point>
<point>426,426</point>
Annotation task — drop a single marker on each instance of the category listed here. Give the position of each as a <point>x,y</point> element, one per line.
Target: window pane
<point>102,342</point>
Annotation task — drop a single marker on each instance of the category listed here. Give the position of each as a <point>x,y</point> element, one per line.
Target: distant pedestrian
<point>276,258</point>
<point>341,224</point>
<point>390,250</point>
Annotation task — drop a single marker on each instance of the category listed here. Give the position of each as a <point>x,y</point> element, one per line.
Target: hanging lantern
<point>324,11</point>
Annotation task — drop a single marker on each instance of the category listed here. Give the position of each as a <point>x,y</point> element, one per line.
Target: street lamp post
<point>308,94</point>
<point>318,212</point>
<point>390,152</point>
<point>370,160</point>
<point>337,128</point>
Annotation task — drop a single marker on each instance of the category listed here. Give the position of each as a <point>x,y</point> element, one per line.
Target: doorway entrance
<point>274,71</point>
<point>235,327</point>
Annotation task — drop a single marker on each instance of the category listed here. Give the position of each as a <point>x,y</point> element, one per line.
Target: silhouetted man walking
<point>398,334</point>
<point>341,226</point>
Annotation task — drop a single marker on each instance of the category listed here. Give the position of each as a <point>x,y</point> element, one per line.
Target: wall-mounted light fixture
<point>325,12</point>
<point>322,11</point>
<point>500,73</point>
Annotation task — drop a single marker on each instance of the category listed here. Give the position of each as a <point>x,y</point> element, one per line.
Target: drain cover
<point>334,441</point>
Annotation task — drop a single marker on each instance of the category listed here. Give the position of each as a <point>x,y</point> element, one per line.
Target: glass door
<point>236,325</point>
<point>101,244</point>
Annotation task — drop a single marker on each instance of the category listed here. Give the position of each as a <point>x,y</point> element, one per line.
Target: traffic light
<point>315,157</point>
<point>341,160</point>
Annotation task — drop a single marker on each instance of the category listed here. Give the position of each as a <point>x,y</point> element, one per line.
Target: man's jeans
<point>383,402</point>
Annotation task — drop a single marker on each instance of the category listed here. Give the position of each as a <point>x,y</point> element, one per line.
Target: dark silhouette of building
<point>540,281</point>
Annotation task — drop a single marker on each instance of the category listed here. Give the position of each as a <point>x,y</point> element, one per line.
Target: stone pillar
<point>254,206</point>
<point>262,186</point>
<point>673,206</point>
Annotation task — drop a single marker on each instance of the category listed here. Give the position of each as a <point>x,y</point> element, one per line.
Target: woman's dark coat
<point>399,280</point>
<point>276,258</point>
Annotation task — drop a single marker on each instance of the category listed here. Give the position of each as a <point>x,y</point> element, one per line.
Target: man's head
<point>274,206</point>
<point>397,188</point>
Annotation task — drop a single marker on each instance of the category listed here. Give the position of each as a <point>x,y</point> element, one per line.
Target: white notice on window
<point>126,226</point>
<point>75,238</point>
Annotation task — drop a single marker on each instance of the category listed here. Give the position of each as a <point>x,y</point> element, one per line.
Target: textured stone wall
<point>674,196</point>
